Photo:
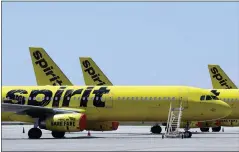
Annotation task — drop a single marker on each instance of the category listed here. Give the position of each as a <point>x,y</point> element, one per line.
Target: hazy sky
<point>134,43</point>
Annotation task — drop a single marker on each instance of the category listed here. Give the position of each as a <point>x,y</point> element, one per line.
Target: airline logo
<point>46,68</point>
<point>16,96</point>
<point>215,92</point>
<point>219,78</point>
<point>91,71</point>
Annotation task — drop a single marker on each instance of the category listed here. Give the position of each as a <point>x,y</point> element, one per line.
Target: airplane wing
<point>37,111</point>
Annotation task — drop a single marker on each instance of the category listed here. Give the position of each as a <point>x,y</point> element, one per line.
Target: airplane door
<point>183,96</point>
<point>108,100</point>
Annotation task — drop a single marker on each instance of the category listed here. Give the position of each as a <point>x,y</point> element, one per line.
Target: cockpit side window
<point>202,97</point>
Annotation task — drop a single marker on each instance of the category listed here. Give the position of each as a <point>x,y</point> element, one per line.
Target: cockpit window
<point>215,98</point>
<point>202,98</point>
<point>208,97</point>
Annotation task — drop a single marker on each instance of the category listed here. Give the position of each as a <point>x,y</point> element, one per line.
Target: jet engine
<point>73,122</point>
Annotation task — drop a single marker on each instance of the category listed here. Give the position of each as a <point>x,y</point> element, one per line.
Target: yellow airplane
<point>92,74</point>
<point>219,79</point>
<point>63,109</point>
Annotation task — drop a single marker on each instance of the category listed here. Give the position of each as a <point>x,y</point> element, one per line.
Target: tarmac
<point>127,138</point>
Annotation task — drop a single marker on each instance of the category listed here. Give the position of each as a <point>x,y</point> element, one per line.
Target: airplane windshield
<point>208,97</point>
<point>215,98</point>
<point>202,98</point>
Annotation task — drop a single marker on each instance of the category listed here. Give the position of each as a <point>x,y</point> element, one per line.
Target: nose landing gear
<point>156,129</point>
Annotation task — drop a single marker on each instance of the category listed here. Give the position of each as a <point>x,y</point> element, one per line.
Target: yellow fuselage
<point>117,103</point>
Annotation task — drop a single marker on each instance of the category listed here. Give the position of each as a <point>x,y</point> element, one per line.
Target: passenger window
<point>202,98</point>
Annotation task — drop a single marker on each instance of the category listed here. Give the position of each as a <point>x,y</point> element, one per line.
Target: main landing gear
<point>58,134</point>
<point>216,129</point>
<point>36,133</point>
<point>204,129</point>
<point>156,129</point>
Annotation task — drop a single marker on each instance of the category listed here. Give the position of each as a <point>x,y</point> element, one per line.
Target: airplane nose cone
<point>222,109</point>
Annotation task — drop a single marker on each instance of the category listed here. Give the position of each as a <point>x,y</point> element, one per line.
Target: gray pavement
<point>130,138</point>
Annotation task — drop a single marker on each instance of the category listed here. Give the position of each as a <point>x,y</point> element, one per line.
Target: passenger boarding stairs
<point>174,120</point>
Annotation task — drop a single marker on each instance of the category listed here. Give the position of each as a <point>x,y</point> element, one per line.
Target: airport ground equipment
<point>173,123</point>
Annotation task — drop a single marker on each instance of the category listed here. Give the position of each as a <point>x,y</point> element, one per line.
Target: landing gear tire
<point>156,129</point>
<point>204,129</point>
<point>34,133</point>
<point>58,134</point>
<point>216,129</point>
<point>187,134</point>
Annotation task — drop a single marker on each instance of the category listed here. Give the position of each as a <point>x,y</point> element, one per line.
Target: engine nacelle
<point>102,125</point>
<point>73,122</point>
<point>229,122</point>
